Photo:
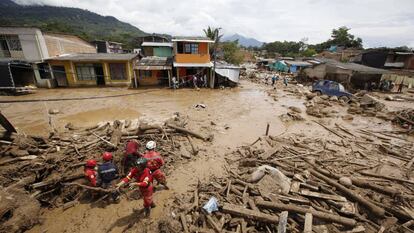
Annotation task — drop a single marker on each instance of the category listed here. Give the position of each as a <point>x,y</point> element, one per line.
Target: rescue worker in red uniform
<point>143,180</point>
<point>90,172</point>
<point>154,163</point>
<point>131,155</point>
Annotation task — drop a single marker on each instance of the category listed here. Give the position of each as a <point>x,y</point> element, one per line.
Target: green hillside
<point>83,23</point>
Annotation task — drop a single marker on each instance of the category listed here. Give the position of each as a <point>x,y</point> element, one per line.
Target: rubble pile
<point>405,118</point>
<point>354,181</point>
<point>37,171</point>
<point>320,106</point>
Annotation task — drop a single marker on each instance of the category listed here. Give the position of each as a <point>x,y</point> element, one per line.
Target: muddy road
<point>235,116</point>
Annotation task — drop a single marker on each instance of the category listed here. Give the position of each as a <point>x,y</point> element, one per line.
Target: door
<point>100,78</point>
<point>59,73</point>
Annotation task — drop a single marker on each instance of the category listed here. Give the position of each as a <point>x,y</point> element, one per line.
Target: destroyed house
<point>351,75</point>
<point>386,59</point>
<point>32,46</point>
<point>99,69</point>
<point>192,57</point>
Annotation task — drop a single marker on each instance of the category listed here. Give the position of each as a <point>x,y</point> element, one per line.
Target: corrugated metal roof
<point>155,61</point>
<point>209,64</point>
<point>95,57</point>
<point>192,39</point>
<point>298,63</point>
<point>157,44</point>
<point>353,66</point>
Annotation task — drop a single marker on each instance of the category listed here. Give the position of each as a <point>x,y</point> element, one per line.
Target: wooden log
<point>184,223</point>
<point>213,223</point>
<point>104,140</point>
<point>376,210</point>
<point>363,184</point>
<point>252,205</point>
<point>54,181</point>
<point>193,147</point>
<point>387,177</point>
<point>6,124</point>
<point>308,223</point>
<point>70,204</point>
<point>250,214</point>
<point>186,131</point>
<point>29,157</point>
<point>116,134</point>
<point>317,214</point>
<point>308,193</point>
<point>283,218</point>
<point>97,189</point>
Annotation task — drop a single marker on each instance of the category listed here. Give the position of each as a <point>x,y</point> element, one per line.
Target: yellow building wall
<point>73,81</point>
<point>202,57</point>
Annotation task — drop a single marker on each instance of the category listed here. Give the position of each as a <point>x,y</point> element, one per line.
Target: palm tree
<point>213,34</point>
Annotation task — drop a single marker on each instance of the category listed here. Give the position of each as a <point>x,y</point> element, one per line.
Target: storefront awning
<point>209,64</point>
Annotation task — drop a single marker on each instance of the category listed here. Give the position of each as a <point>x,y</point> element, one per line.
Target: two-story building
<point>24,51</point>
<point>192,57</point>
<point>155,68</point>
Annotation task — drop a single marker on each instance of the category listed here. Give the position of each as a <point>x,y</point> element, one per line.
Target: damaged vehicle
<point>331,88</point>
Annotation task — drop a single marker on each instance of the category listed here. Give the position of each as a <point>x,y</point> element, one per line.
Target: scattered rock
<point>390,98</point>
<point>53,111</point>
<point>295,109</point>
<point>345,181</point>
<point>348,117</point>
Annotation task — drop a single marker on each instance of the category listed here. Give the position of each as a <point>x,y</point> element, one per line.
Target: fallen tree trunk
<point>250,214</point>
<point>317,214</point>
<point>98,189</point>
<point>186,131</point>
<point>363,184</point>
<point>376,210</point>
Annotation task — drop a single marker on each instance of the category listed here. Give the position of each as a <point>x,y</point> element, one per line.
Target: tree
<point>213,34</point>
<point>232,53</point>
<point>342,37</point>
<point>309,52</point>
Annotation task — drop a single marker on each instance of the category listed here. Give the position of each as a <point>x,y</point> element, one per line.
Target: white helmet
<point>151,145</point>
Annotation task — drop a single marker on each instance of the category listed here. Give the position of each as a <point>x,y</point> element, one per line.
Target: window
<point>191,48</point>
<point>145,73</point>
<point>85,72</point>
<point>44,71</point>
<point>12,42</point>
<point>333,86</point>
<point>117,71</point>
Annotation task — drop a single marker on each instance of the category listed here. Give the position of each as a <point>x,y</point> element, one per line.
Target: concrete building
<point>33,46</point>
<point>93,69</point>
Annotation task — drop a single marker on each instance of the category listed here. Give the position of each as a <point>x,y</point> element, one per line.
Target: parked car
<point>331,88</point>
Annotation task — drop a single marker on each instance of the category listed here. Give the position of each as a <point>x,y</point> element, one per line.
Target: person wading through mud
<point>131,155</point>
<point>107,173</point>
<point>155,162</point>
<point>143,180</point>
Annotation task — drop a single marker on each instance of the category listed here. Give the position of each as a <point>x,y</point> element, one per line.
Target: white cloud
<point>377,22</point>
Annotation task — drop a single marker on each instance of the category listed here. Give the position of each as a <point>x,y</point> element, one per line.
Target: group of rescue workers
<point>141,169</point>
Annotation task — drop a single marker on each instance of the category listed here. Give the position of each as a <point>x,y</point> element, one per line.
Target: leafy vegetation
<point>232,53</point>
<point>85,24</point>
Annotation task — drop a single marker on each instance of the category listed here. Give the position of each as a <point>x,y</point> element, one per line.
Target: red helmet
<point>107,156</point>
<point>91,163</point>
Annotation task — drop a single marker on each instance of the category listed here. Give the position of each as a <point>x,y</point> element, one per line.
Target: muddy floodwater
<point>236,116</point>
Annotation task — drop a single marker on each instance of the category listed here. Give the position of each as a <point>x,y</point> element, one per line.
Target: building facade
<point>192,57</point>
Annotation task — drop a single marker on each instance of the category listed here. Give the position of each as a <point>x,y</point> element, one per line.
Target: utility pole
<point>216,40</point>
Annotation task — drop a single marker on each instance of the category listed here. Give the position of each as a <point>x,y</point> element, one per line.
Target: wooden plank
<point>317,214</point>
<point>308,223</point>
<point>283,217</point>
<point>250,214</point>
<point>184,223</point>
<point>6,124</point>
<point>308,193</point>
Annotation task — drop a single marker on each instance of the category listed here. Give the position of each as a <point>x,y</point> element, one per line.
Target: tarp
<point>281,66</point>
<point>232,74</point>
<point>397,79</point>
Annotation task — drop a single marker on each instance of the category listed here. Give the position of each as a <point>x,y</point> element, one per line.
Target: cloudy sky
<point>377,22</point>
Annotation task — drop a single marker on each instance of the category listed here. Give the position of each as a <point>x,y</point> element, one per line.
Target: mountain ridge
<point>244,41</point>
<point>83,23</point>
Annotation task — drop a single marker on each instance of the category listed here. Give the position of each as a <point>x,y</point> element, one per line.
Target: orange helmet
<point>107,156</point>
<point>91,163</point>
